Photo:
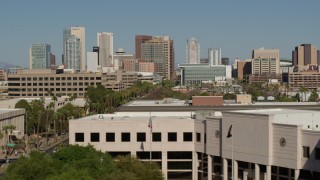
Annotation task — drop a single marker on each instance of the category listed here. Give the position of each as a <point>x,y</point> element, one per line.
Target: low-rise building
<point>13,117</point>
<point>195,74</point>
<point>255,144</point>
<point>38,83</point>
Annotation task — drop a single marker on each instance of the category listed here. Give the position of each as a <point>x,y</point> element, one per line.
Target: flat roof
<point>309,120</point>
<point>7,110</point>
<point>164,102</point>
<point>139,115</point>
<point>272,111</point>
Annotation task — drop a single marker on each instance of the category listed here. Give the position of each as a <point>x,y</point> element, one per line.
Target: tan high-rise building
<point>305,54</point>
<point>265,61</point>
<point>159,50</point>
<point>139,39</point>
<point>244,68</point>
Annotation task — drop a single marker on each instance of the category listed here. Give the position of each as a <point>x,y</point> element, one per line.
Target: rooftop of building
<point>163,102</point>
<point>309,120</point>
<point>7,110</point>
<point>132,116</point>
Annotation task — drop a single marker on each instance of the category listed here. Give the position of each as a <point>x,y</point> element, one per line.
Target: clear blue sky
<point>237,26</point>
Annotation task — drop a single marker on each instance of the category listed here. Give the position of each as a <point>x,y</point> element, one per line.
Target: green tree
<point>314,96</point>
<point>37,166</point>
<point>138,169</point>
<point>79,162</point>
<point>8,129</point>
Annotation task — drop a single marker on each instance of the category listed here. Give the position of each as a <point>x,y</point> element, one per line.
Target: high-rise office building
<point>139,39</point>
<point>214,56</point>
<point>265,57</point>
<point>74,48</point>
<point>40,56</point>
<point>158,50</point>
<point>305,54</point>
<point>105,43</point>
<point>92,61</point>
<point>52,61</point>
<point>193,51</point>
<point>225,61</point>
<point>266,53</point>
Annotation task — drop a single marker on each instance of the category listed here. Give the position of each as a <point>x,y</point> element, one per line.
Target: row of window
<point>53,78</point>
<point>55,84</point>
<point>141,137</point>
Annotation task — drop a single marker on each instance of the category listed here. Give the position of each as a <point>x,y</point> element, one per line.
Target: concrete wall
<point>213,131</point>
<point>250,134</point>
<point>286,156</point>
<point>141,125</point>
<point>310,139</point>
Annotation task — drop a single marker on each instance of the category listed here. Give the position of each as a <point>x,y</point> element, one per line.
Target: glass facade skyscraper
<point>40,56</point>
<point>74,48</point>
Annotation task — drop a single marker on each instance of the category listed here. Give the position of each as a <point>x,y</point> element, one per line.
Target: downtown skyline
<point>235,27</point>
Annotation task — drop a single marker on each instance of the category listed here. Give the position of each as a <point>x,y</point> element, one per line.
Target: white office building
<point>193,51</point>
<point>261,144</point>
<point>92,61</point>
<point>214,56</point>
<point>105,43</point>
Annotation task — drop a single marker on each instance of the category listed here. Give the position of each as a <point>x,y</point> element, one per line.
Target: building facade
<point>305,54</point>
<point>224,61</point>
<point>139,40</point>
<point>105,44</point>
<point>31,83</point>
<point>265,66</point>
<point>248,144</point>
<point>192,51</point>
<point>38,83</point>
<point>263,53</point>
<point>40,56</point>
<point>92,61</point>
<point>160,51</point>
<point>192,74</point>
<point>244,69</point>
<point>12,117</point>
<point>306,79</point>
<point>214,56</point>
<point>74,48</point>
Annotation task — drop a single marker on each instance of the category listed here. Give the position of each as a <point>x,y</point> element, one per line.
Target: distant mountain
<point>5,65</point>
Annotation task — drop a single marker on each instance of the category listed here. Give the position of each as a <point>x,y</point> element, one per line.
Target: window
<point>187,136</point>
<point>198,137</point>
<point>79,137</point>
<point>125,137</point>
<point>110,137</point>
<point>306,151</point>
<point>156,137</point>
<point>317,153</point>
<point>179,155</point>
<point>94,137</point>
<point>141,137</point>
<point>172,137</point>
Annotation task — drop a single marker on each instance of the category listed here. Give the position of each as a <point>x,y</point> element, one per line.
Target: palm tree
<point>303,90</point>
<point>7,129</point>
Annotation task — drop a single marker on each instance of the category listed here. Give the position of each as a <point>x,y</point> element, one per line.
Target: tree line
<point>42,119</point>
<point>101,100</point>
<point>78,162</point>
